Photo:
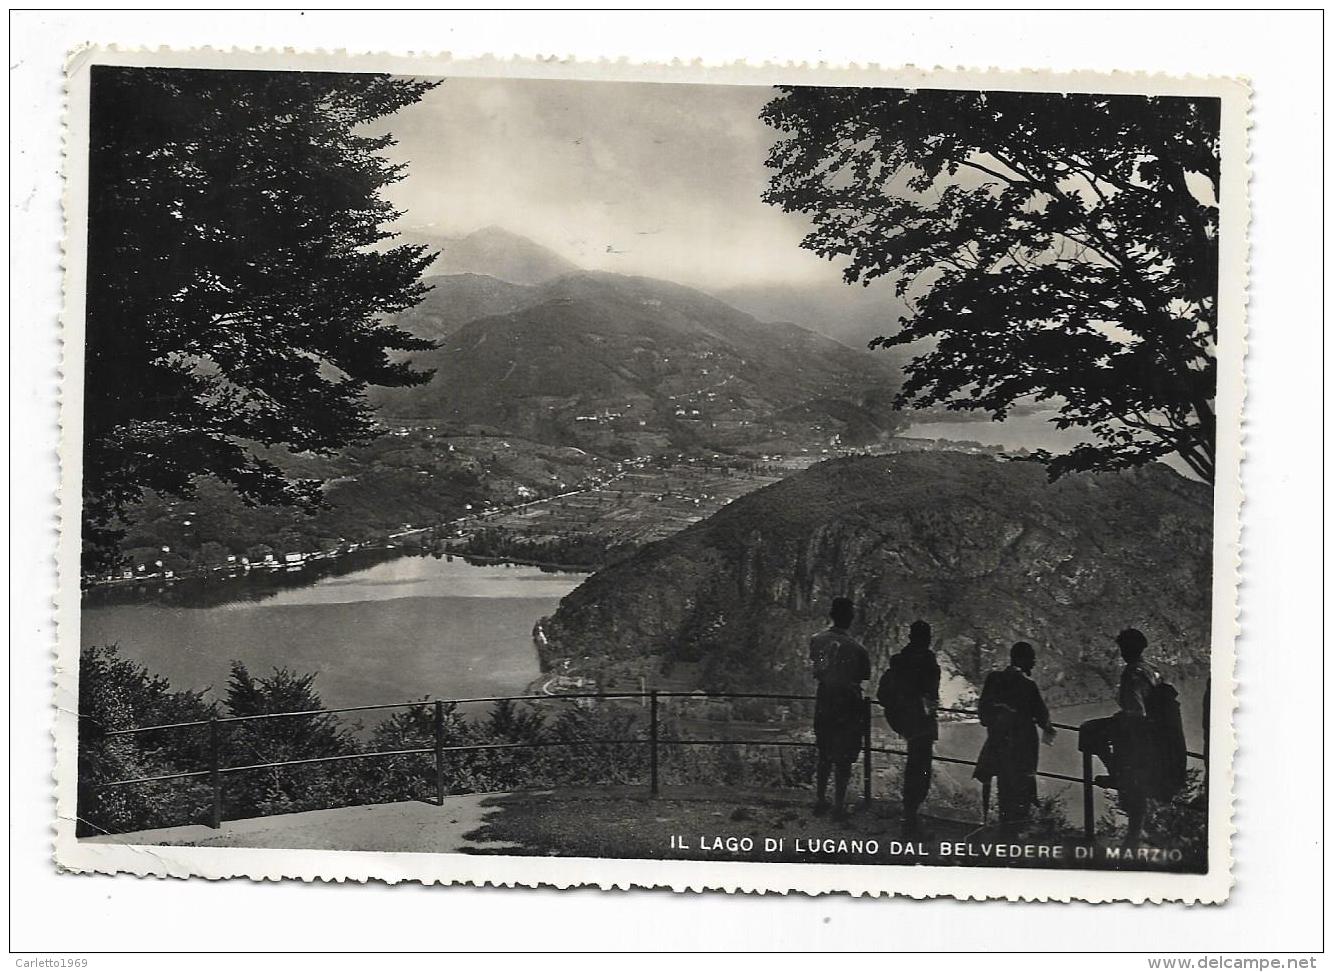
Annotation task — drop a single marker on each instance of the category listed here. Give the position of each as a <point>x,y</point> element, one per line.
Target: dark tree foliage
<point>577,745</point>
<point>115,693</point>
<point>1062,247</point>
<point>235,291</point>
<point>283,789</point>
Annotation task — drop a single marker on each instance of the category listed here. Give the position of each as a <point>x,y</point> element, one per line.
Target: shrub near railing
<point>263,762</point>
<point>560,749</point>
<point>574,746</point>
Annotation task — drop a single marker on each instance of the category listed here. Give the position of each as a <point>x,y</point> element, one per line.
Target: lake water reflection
<point>1021,430</point>
<point>374,630</point>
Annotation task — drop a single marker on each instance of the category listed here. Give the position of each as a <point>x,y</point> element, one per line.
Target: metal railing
<point>216,725</point>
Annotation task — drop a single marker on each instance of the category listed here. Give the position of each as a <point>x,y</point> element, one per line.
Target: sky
<point>662,180</point>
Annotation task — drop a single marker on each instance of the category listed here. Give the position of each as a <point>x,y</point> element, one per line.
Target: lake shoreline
<point>397,629</point>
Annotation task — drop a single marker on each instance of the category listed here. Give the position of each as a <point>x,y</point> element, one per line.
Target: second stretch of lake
<point>1030,430</point>
<point>400,629</point>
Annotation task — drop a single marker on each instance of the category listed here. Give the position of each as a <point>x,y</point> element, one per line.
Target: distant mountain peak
<point>494,232</point>
<point>493,251</point>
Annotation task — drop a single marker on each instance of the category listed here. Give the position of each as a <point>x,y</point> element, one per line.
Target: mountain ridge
<point>849,314</point>
<point>636,365</point>
<point>457,298</point>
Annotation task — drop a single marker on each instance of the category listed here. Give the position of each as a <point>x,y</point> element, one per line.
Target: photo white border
<point>923,881</point>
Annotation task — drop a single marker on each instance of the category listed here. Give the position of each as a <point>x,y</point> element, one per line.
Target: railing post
<point>215,771</point>
<point>652,742</point>
<point>865,752</point>
<point>439,753</point>
<point>1089,823</point>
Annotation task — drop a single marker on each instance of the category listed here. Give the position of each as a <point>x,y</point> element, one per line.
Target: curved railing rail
<point>216,726</point>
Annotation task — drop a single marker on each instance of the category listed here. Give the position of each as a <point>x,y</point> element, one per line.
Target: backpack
<point>895,702</point>
<point>1168,737</point>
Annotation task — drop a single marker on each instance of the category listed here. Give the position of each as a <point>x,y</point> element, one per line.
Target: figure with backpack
<point>1143,744</point>
<point>909,691</point>
<point>1012,710</point>
<point>1132,739</point>
<point>1149,739</point>
<point>840,664</point>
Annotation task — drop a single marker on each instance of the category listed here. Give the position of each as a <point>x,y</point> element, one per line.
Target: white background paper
<point>1277,904</point>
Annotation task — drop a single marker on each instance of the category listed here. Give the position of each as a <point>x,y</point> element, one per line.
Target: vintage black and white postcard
<point>750,478</point>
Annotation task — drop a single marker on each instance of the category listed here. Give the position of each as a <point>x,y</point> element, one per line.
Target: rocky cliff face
<point>987,551</point>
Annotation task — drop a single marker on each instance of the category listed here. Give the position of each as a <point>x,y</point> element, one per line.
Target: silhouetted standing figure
<point>1132,735</point>
<point>915,676</point>
<point>1012,710</point>
<point>840,665</point>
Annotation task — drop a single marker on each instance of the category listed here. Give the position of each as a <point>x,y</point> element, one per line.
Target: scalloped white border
<point>608,873</point>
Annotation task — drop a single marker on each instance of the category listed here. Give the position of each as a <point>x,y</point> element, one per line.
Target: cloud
<point>656,179</point>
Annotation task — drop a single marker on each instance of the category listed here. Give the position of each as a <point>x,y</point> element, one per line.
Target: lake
<point>1032,430</point>
<point>1029,430</point>
<point>387,631</point>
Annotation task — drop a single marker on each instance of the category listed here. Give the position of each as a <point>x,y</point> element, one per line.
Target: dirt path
<point>412,826</point>
<point>607,821</point>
